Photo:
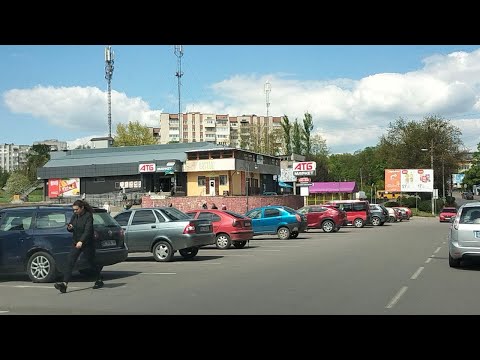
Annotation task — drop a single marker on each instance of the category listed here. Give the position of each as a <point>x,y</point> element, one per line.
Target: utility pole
<point>267,89</point>
<point>109,60</point>
<point>431,164</point>
<point>179,53</point>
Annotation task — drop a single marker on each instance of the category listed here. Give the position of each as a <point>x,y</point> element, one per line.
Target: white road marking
<point>438,249</point>
<point>36,286</point>
<point>414,276</point>
<point>396,297</point>
<point>428,260</point>
<point>159,273</point>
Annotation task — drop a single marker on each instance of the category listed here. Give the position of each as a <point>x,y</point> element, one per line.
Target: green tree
<point>297,145</point>
<point>319,154</point>
<point>16,183</point>
<point>287,128</point>
<point>307,130</point>
<point>3,178</point>
<point>402,146</point>
<point>133,134</point>
<point>37,156</point>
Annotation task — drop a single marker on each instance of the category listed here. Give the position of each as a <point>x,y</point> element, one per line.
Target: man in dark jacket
<point>81,225</point>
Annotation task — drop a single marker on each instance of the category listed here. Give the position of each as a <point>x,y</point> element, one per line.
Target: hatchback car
<point>464,234</point>
<point>329,219</point>
<point>229,227</point>
<point>378,214</point>
<point>35,240</point>
<point>281,220</point>
<point>447,213</point>
<point>164,231</point>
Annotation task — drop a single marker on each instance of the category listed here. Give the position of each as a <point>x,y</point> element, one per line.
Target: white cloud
<point>75,108</point>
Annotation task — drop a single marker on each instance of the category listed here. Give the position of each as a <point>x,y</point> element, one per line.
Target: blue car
<point>281,220</point>
<point>35,240</point>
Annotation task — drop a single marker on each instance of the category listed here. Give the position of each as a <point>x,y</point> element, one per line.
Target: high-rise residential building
<point>13,157</point>
<point>222,129</point>
<point>55,145</point>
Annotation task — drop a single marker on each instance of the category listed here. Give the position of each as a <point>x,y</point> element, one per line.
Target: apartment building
<point>246,131</point>
<point>13,157</point>
<point>54,144</point>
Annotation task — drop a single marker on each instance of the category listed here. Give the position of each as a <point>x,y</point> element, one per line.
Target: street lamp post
<point>431,165</point>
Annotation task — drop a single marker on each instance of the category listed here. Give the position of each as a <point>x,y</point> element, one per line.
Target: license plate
<point>204,228</point>
<point>248,223</point>
<point>106,243</point>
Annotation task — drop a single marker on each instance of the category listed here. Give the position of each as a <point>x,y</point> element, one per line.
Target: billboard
<point>409,180</point>
<point>458,179</point>
<point>63,187</point>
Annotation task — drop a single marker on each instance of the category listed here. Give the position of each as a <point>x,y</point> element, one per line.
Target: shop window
<point>223,180</point>
<point>201,181</point>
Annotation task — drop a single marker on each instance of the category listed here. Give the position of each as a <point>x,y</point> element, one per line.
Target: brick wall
<point>236,204</point>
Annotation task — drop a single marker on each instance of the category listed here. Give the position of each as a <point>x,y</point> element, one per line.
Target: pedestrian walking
<point>204,205</point>
<point>81,225</point>
<point>224,207</point>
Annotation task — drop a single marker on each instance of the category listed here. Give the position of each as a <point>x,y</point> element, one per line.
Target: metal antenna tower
<point>266,122</point>
<point>109,56</point>
<point>179,53</point>
<point>268,88</point>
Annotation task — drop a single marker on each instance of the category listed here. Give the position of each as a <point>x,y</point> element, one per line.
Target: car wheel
<point>283,233</point>
<point>223,241</point>
<point>294,235</point>
<point>455,263</point>
<point>189,253</point>
<point>392,219</point>
<point>328,226</point>
<point>163,251</point>
<point>358,223</point>
<point>239,244</point>
<point>376,221</point>
<point>41,267</point>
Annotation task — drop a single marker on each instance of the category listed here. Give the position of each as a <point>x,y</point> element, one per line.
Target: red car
<point>447,213</point>
<point>229,227</point>
<point>328,218</point>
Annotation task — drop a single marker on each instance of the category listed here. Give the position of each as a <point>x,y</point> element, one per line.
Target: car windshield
<point>174,214</point>
<point>289,210</point>
<point>103,218</point>
<point>449,210</point>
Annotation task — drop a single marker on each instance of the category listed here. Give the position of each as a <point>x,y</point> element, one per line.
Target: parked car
<point>447,213</point>
<point>378,214</point>
<point>394,214</point>
<point>35,240</point>
<point>358,211</point>
<point>467,195</point>
<point>281,220</point>
<point>228,226</point>
<point>329,219</point>
<point>464,234</point>
<point>164,231</point>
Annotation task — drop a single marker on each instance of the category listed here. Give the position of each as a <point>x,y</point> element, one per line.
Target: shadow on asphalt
<point>76,277</point>
<point>175,259</point>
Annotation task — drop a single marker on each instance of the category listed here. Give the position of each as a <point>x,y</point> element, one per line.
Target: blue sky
<point>353,92</point>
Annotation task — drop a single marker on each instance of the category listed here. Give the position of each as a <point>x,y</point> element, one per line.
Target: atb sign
<point>304,168</point>
<point>146,168</point>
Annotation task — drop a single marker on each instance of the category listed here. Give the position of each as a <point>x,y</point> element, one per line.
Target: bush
<point>425,205</point>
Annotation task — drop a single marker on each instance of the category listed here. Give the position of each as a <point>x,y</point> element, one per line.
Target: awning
<point>334,187</point>
<point>284,185</point>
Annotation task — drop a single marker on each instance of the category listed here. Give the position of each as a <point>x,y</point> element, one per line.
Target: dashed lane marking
<point>419,270</point>
<point>397,297</point>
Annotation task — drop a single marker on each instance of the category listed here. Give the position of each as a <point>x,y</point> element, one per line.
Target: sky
<point>353,92</point>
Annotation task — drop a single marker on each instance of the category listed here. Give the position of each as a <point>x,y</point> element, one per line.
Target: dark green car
<point>163,231</point>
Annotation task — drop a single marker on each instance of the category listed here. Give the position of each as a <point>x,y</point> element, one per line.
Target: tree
<point>401,147</point>
<point>286,127</point>
<point>297,138</point>
<point>3,178</point>
<point>307,130</point>
<point>16,183</point>
<point>319,154</point>
<point>133,134</point>
<point>37,156</point>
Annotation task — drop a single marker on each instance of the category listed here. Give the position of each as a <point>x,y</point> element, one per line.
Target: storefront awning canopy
<point>284,185</point>
<point>334,187</point>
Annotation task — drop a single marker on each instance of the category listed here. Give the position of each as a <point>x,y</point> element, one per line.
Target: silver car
<point>163,231</point>
<point>464,234</point>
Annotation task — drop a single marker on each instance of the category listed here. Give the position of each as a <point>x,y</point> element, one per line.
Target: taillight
<point>299,218</point>
<point>456,222</point>
<point>189,229</point>
<point>236,223</point>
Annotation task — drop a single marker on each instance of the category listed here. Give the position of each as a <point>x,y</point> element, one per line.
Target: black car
<point>467,195</point>
<point>35,240</point>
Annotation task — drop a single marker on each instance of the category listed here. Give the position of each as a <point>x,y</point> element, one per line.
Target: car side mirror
<point>452,219</point>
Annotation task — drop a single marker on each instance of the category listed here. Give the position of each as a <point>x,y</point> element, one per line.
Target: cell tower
<point>109,55</point>
<point>179,53</point>
<point>268,88</point>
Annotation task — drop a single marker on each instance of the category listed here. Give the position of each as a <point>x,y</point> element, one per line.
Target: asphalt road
<point>399,268</point>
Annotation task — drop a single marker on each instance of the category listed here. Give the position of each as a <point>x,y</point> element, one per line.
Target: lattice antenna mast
<point>268,88</point>
<point>179,53</point>
<point>109,60</point>
<point>266,123</point>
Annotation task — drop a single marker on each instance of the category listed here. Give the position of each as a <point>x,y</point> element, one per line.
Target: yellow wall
<point>192,182</point>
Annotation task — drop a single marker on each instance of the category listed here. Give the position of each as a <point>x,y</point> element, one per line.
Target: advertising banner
<point>409,180</point>
<point>63,187</point>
